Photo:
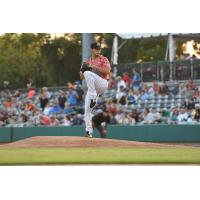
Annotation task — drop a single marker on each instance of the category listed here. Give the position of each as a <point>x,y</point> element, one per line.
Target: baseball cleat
<point>92,103</point>
<point>89,135</point>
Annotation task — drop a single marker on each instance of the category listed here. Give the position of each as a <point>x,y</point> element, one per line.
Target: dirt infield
<point>72,141</point>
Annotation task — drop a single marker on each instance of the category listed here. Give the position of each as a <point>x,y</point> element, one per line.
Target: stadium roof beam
<point>140,35</point>
<point>171,45</point>
<point>170,51</point>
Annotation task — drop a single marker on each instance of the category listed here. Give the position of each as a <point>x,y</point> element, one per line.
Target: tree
<point>63,56</point>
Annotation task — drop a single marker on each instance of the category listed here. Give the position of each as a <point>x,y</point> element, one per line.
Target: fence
<point>144,133</point>
<point>163,71</point>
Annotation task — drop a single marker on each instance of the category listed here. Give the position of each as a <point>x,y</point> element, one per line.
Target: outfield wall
<point>145,133</point>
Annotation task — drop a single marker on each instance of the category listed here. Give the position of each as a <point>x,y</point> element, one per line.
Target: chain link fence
<point>162,71</point>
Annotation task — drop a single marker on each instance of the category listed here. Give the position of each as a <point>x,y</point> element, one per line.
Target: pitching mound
<point>72,141</point>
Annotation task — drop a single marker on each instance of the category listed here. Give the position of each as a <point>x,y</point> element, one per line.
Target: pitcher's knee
<point>86,73</point>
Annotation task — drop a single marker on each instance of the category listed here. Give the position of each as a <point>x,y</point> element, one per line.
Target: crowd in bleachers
<point>129,101</point>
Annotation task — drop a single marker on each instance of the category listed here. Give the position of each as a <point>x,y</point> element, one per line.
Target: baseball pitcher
<point>96,73</point>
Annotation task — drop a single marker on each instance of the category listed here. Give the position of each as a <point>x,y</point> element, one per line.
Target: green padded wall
<point>146,133</point>
<point>5,134</point>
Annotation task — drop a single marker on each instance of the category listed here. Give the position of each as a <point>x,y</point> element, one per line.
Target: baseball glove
<point>85,67</point>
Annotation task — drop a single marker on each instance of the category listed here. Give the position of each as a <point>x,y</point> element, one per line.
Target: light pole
<point>87,39</point>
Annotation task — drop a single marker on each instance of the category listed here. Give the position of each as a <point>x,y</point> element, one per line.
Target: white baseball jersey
<point>97,83</point>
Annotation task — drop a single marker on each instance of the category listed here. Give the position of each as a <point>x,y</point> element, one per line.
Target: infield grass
<point>51,156</point>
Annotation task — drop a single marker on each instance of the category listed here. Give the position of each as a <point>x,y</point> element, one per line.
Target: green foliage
<point>55,61</point>
<point>63,58</point>
<point>151,49</point>
<point>128,52</point>
<point>48,61</point>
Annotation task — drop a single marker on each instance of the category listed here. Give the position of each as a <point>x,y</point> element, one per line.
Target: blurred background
<point>47,58</point>
<point>154,78</point>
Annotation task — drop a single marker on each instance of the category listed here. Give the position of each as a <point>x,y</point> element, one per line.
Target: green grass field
<point>51,156</point>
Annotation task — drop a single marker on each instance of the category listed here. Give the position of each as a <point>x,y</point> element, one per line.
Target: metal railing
<point>162,70</point>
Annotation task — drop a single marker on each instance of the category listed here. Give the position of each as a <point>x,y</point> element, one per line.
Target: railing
<point>163,71</point>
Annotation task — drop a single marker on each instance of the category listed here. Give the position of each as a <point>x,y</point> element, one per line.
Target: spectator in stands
<point>164,89</point>
<point>146,87</point>
<point>112,84</point>
<point>144,95</point>
<point>72,97</point>
<point>11,121</point>
<point>189,104</point>
<point>67,121</point>
<point>120,84</point>
<point>151,92</point>
<point>156,87</point>
<point>134,115</point>
<point>3,118</point>
<point>136,95</point>
<point>182,89</point>
<point>30,83</point>
<point>35,117</point>
<point>121,93</point>
<point>31,92</point>
<point>150,117</point>
<point>155,116</point>
<point>111,106</point>
<point>45,120</point>
<point>80,93</point>
<point>44,97</point>
<point>5,92</point>
<point>18,109</point>
<point>55,110</point>
<point>127,79</point>
<point>24,119</point>
<point>142,86</point>
<point>54,121</point>
<point>136,80</point>
<point>9,102</point>
<point>196,113</point>
<point>123,100</point>
<point>70,85</point>
<point>191,85</point>
<point>47,109</point>
<point>182,116</point>
<point>61,99</point>
<point>30,106</point>
<point>174,116</point>
<point>131,98</point>
<point>196,94</point>
<point>143,115</point>
<point>127,120</point>
<point>119,116</point>
<point>20,105</point>
<point>175,90</point>
<point>16,93</point>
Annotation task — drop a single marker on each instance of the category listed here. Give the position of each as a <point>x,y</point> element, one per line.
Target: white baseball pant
<point>96,86</point>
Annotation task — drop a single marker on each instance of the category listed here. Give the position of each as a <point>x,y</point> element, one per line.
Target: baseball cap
<point>95,45</point>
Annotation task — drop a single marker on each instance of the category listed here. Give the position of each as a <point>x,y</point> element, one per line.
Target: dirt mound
<point>72,141</point>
